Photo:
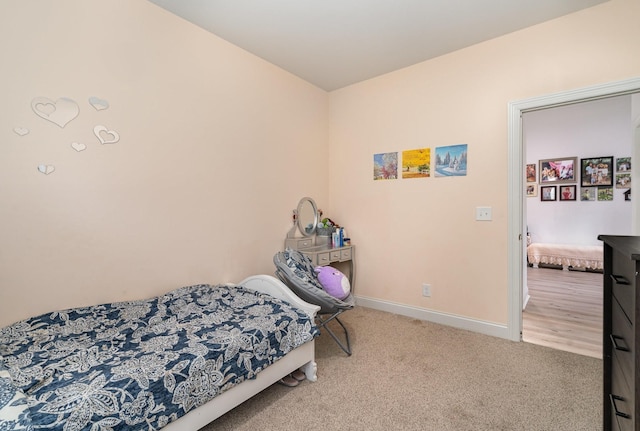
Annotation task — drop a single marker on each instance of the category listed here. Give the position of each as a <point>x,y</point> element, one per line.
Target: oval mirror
<point>307,216</point>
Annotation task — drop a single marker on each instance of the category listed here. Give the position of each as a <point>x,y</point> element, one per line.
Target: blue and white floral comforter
<point>142,364</point>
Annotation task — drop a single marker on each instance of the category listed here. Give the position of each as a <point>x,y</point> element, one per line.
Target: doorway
<point>516,163</point>
<point>564,310</point>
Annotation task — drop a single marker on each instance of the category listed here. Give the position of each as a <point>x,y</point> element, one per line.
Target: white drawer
<point>346,254</point>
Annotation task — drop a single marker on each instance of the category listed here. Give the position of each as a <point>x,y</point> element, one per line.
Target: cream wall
<point>216,148</point>
<point>423,230</point>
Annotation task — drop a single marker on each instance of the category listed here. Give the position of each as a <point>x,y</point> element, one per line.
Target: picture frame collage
<point>557,179</point>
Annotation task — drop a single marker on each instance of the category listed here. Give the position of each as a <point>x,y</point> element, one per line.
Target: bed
<point>566,255</point>
<point>174,362</point>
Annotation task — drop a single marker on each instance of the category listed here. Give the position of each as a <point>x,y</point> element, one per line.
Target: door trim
<point>516,211</point>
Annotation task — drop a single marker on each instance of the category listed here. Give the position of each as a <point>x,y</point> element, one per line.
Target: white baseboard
<point>460,322</point>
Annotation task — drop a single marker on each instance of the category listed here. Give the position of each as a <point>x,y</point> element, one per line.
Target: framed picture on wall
<point>568,193</point>
<point>548,193</point>
<point>623,181</point>
<point>532,190</point>
<point>558,171</point>
<point>596,171</point>
<point>532,176</point>
<point>588,193</point>
<point>605,193</point>
<point>623,164</point>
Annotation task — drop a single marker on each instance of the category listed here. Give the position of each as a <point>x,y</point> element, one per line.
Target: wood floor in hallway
<point>564,311</point>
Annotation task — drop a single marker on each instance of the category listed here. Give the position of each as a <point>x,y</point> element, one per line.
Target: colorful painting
<point>559,170</point>
<point>385,166</point>
<point>451,161</point>
<point>416,163</point>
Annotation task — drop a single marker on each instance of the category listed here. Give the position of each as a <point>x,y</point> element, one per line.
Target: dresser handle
<point>619,279</point>
<point>615,345</point>
<point>613,399</point>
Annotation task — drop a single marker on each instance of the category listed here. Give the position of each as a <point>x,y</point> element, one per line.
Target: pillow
<point>333,282</point>
<point>14,411</point>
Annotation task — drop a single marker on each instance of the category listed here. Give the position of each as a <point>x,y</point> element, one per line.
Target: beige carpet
<point>407,374</point>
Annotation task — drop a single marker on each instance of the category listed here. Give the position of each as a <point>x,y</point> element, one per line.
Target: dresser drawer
<point>335,256</point>
<point>346,254</point>
<point>323,259</point>
<point>298,243</point>
<point>622,280</point>
<point>621,399</point>
<point>622,340</point>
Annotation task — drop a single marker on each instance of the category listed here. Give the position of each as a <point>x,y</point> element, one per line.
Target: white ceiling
<point>335,43</point>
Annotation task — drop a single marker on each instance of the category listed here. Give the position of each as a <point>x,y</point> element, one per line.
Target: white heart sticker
<point>21,131</point>
<point>106,136</point>
<point>59,112</point>
<point>46,169</point>
<point>98,103</point>
<point>78,146</point>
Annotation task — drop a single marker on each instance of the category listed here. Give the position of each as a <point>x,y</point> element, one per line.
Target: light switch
<point>483,213</point>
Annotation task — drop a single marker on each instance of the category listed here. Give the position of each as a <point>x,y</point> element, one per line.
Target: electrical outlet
<point>426,289</point>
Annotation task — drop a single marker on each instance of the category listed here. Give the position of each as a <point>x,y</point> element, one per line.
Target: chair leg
<point>346,347</point>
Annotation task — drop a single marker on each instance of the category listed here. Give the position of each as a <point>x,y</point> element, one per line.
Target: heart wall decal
<point>46,169</point>
<point>59,112</point>
<point>98,103</point>
<point>21,131</point>
<point>78,146</point>
<point>106,136</point>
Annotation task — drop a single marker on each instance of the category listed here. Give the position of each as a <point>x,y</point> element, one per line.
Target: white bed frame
<point>303,357</point>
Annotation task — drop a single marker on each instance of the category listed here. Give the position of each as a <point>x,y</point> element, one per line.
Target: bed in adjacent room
<point>176,361</point>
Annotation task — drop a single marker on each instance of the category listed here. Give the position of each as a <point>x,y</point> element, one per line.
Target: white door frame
<point>516,211</point>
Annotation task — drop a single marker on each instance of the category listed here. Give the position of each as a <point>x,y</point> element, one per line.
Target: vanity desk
<point>318,247</point>
<point>325,254</point>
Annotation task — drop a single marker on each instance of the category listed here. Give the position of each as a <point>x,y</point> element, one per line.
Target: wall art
<point>59,112</point>
<point>106,136</point>
<point>596,171</point>
<point>416,163</point>
<point>385,166</point>
<point>98,104</point>
<point>46,169</point>
<point>532,177</point>
<point>547,193</point>
<point>588,193</point>
<point>78,146</point>
<point>623,164</point>
<point>21,131</point>
<point>623,181</point>
<point>605,193</point>
<point>568,193</point>
<point>532,190</point>
<point>558,170</point>
<point>451,161</point>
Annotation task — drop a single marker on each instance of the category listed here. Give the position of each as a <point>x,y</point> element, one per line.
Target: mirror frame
<point>303,223</point>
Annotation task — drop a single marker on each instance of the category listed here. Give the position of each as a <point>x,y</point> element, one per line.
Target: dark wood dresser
<point>621,332</point>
